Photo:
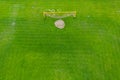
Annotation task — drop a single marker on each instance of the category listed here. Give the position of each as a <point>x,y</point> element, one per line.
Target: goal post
<point>60,15</point>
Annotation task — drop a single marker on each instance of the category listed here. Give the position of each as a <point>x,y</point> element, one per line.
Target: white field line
<point>115,39</point>
<point>110,35</point>
<point>14,11</point>
<point>8,34</point>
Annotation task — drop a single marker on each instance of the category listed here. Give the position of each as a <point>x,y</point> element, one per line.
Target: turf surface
<point>32,48</point>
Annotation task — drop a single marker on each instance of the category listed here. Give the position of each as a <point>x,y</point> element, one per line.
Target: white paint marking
<point>7,35</point>
<point>118,11</point>
<point>33,7</point>
<point>13,24</point>
<point>60,24</point>
<point>88,16</point>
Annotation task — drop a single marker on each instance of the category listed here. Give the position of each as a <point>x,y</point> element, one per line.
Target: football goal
<point>59,15</point>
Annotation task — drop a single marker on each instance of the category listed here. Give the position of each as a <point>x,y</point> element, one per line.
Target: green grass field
<point>32,48</point>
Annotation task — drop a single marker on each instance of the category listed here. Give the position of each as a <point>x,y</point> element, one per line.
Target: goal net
<point>59,14</point>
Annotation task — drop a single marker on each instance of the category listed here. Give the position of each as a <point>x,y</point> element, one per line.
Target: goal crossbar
<point>60,14</point>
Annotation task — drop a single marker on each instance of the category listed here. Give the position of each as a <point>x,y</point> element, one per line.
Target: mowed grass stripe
<point>86,49</point>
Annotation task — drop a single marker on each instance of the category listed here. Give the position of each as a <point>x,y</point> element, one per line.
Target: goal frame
<point>60,14</point>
